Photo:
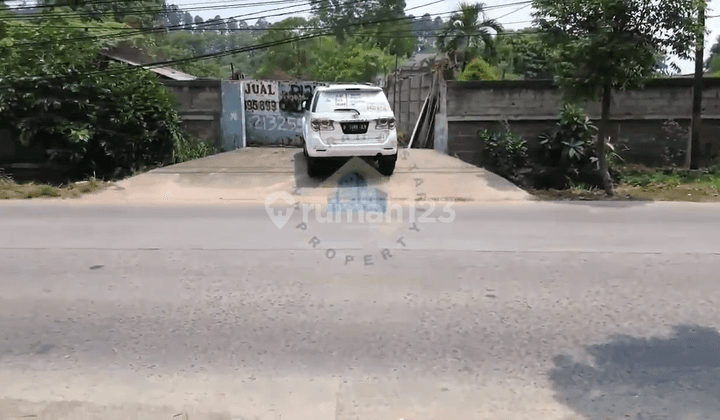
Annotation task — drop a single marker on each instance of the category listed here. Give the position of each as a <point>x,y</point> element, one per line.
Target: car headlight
<point>322,124</point>
<point>385,123</point>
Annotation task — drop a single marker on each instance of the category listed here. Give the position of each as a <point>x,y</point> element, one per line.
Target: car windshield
<point>362,101</point>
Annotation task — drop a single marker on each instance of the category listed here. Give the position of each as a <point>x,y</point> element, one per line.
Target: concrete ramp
<point>250,175</point>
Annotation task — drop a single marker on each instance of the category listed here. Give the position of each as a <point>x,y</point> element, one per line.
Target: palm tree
<point>469,31</point>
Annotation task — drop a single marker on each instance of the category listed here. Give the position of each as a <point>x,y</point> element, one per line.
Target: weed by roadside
<point>640,183</point>
<point>672,184</point>
<point>9,189</point>
<point>190,148</point>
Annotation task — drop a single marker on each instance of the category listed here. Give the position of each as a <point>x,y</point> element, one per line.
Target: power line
<point>37,79</point>
<point>208,25</point>
<point>514,11</point>
<point>165,11</point>
<point>265,45</point>
<point>140,31</point>
<point>194,58</point>
<point>100,2</point>
<point>326,32</point>
<point>128,32</point>
<point>150,11</point>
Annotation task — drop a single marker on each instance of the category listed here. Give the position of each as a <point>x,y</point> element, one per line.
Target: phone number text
<point>275,123</point>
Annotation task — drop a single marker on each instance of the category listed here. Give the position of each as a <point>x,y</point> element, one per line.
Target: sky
<point>511,17</point>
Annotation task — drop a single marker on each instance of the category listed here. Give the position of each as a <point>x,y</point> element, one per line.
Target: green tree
<point>293,58</point>
<point>601,45</point>
<point>479,69</point>
<point>188,21</point>
<point>524,53</point>
<point>353,61</point>
<point>426,29</point>
<point>377,22</point>
<point>262,23</point>
<point>216,25</point>
<point>712,64</point>
<point>172,16</point>
<point>356,59</point>
<point>470,33</point>
<point>97,116</point>
<point>143,13</point>
<point>199,27</point>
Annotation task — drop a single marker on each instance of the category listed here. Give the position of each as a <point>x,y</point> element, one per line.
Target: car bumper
<point>316,147</point>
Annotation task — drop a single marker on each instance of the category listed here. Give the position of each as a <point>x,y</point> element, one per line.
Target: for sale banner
<point>274,112</point>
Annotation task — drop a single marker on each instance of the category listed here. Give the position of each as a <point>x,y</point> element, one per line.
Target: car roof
<point>348,87</point>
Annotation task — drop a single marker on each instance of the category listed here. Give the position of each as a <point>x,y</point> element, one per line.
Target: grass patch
<point>670,184</point>
<point>639,183</point>
<point>9,189</point>
<point>190,148</point>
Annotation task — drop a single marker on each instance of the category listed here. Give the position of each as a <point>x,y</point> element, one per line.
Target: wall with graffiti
<point>273,111</point>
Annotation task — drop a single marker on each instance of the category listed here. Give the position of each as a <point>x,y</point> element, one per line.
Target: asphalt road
<point>511,311</point>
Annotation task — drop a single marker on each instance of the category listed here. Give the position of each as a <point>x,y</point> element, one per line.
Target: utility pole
<point>692,159</point>
<point>395,87</point>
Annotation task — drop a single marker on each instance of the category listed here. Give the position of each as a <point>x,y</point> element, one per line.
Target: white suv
<point>344,121</point>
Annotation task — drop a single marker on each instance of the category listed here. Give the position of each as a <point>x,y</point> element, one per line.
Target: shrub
<point>504,152</point>
<point>674,134</point>
<point>570,143</point>
<point>479,69</point>
<point>189,148</point>
<point>105,126</point>
<point>96,117</point>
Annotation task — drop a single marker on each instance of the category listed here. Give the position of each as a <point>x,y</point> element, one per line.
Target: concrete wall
<point>407,96</point>
<point>531,107</point>
<point>199,103</point>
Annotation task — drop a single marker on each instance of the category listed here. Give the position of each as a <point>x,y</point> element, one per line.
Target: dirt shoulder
<point>11,190</point>
<point>688,192</point>
<point>648,184</point>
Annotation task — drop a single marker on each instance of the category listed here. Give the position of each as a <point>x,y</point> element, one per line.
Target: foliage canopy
<point>65,99</point>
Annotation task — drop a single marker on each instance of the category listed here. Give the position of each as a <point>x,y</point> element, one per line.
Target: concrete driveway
<point>250,175</point>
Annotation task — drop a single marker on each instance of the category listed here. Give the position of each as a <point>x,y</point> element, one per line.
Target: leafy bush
<point>570,143</point>
<point>674,133</point>
<point>479,69</point>
<point>189,148</point>
<point>95,116</point>
<point>569,152</point>
<point>504,152</point>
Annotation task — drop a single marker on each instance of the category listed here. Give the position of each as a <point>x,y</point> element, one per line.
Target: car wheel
<point>386,164</point>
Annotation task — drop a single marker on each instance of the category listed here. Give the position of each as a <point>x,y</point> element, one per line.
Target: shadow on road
<point>302,179</point>
<point>496,181</point>
<point>328,169</point>
<point>657,378</point>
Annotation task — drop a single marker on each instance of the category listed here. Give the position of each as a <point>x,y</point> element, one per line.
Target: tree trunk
<point>603,131</point>
<point>693,148</point>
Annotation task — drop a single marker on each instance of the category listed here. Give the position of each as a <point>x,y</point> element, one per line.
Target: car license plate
<point>355,128</point>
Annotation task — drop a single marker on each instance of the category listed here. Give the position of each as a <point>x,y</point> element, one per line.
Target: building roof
<point>167,72</point>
